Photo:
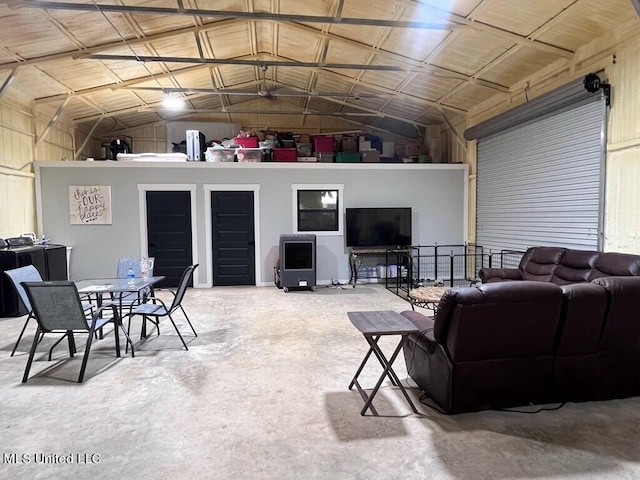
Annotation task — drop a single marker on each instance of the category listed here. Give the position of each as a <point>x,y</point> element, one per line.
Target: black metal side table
<point>374,325</point>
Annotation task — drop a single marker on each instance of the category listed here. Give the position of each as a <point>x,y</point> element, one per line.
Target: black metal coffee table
<point>374,325</point>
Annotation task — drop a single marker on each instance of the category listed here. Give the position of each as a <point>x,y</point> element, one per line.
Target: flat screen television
<point>378,227</point>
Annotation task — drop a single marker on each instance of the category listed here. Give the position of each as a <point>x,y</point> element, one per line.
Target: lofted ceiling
<point>393,65</point>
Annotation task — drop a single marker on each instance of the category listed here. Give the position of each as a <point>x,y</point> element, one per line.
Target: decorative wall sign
<point>90,205</point>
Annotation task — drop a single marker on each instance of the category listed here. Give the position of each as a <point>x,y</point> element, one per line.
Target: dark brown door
<point>169,234</point>
<point>233,234</point>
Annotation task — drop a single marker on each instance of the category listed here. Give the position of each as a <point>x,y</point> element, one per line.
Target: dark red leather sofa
<point>564,326</point>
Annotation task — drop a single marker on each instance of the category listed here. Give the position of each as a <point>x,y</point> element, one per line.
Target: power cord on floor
<point>540,409</point>
<point>427,401</point>
<point>336,284</point>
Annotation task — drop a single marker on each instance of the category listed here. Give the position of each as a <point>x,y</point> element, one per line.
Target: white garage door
<point>541,182</point>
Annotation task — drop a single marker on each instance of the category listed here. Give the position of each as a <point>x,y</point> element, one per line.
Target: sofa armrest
<point>488,275</point>
<point>425,337</point>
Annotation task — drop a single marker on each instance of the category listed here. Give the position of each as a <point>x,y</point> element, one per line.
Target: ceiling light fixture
<point>173,101</point>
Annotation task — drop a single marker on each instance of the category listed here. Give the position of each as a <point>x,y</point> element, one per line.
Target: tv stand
<point>357,256</point>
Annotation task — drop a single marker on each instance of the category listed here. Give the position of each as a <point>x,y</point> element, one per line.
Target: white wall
<point>436,193</point>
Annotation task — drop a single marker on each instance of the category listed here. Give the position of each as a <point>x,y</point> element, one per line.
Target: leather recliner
<point>488,346</point>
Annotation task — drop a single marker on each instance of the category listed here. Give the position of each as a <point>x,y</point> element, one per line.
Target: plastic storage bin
<point>304,149</point>
<point>323,144</point>
<point>247,142</point>
<point>285,154</point>
<point>348,157</point>
<point>325,157</point>
<point>249,154</point>
<point>220,154</point>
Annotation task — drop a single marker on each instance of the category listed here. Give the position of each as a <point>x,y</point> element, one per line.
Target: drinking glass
<point>146,267</point>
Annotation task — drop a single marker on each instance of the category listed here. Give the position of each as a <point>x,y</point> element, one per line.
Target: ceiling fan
<point>263,92</point>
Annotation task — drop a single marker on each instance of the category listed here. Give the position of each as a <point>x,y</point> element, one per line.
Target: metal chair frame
<point>29,273</point>
<point>157,309</point>
<point>57,308</point>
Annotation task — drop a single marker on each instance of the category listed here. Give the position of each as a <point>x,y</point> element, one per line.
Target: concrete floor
<point>262,394</point>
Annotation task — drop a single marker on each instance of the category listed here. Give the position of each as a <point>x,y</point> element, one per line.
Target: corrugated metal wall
<point>18,127</point>
<point>540,183</point>
<point>622,219</point>
<point>17,198</point>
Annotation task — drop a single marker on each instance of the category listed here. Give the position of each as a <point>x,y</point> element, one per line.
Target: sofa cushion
<point>488,275</point>
<point>584,309</point>
<point>499,320</point>
<point>539,263</point>
<point>575,267</point>
<point>615,264</point>
<point>622,327</point>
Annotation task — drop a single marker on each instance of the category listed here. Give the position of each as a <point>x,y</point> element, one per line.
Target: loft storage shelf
<point>285,147</point>
<point>253,165</point>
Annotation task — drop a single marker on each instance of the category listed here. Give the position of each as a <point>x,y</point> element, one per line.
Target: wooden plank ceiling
<point>395,64</point>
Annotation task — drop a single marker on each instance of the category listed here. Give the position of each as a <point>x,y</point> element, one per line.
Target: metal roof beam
<point>250,16</point>
<point>254,63</point>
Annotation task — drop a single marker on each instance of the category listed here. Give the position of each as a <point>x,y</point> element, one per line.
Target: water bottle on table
<point>131,277</point>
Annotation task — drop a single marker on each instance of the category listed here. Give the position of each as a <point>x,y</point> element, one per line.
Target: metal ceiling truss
<point>276,92</point>
<point>437,71</point>
<point>246,16</point>
<point>450,21</point>
<point>253,63</point>
<point>400,63</point>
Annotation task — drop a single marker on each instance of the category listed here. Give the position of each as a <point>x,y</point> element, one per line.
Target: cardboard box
<point>413,149</point>
<point>370,156</point>
<point>365,145</point>
<point>349,144</point>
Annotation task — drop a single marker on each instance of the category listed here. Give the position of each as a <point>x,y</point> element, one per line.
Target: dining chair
<point>58,309</point>
<point>156,309</point>
<point>29,273</point>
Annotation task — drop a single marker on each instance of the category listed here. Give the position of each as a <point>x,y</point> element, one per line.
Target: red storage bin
<point>247,142</point>
<point>285,154</point>
<point>323,144</point>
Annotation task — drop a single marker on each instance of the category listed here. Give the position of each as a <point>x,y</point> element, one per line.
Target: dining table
<point>118,289</point>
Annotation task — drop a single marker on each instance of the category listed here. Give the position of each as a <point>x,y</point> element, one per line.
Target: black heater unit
<point>297,264</point>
